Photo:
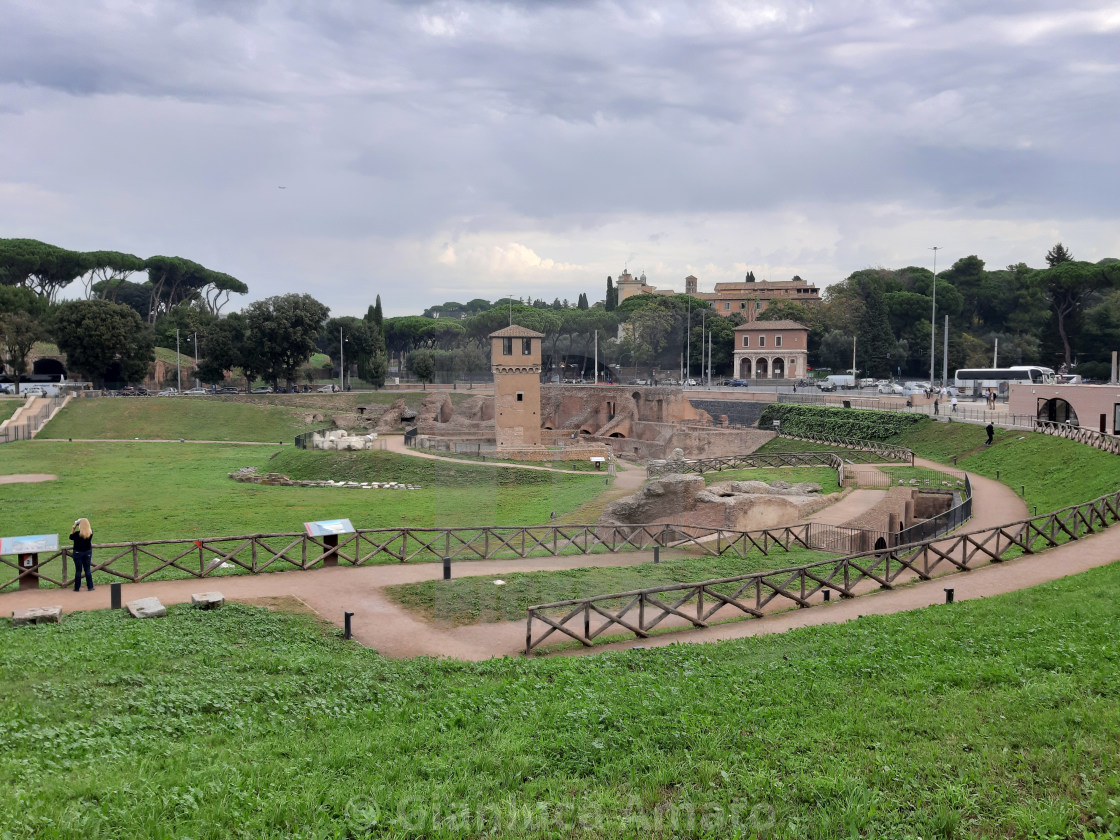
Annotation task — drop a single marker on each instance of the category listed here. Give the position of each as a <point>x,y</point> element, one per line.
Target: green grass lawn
<point>260,417</point>
<point>8,407</point>
<point>143,491</point>
<point>991,718</point>
<point>470,600</point>
<point>171,418</point>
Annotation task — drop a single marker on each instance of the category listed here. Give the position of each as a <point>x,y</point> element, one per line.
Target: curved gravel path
<point>395,632</point>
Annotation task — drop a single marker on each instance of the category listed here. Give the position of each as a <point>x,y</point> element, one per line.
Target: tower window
<point>762,341</point>
<point>526,347</point>
<point>520,396</point>
<point>777,341</point>
<point>507,346</point>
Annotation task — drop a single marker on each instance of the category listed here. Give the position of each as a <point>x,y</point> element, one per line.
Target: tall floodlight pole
<point>178,367</point>
<point>933,318</point>
<point>945,355</point>
<point>709,361</point>
<point>194,340</point>
<point>688,340</point>
<point>341,363</point>
<point>596,356</point>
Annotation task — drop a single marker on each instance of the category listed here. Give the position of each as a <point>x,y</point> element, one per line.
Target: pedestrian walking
<point>936,406</point>
<point>953,403</point>
<point>991,430</point>
<point>82,537</point>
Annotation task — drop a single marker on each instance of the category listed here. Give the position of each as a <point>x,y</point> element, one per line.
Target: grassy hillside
<point>1055,472</point>
<point>263,417</point>
<point>995,718</point>
<point>171,418</point>
<point>8,407</point>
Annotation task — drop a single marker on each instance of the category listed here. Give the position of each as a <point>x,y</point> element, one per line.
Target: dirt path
<point>27,478</point>
<point>855,503</point>
<point>395,632</point>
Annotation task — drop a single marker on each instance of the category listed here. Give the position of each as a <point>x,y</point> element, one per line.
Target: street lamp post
<point>178,366</point>
<point>688,342</point>
<point>341,364</point>
<point>933,320</point>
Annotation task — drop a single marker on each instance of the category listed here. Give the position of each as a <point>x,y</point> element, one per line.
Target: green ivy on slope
<point>862,424</point>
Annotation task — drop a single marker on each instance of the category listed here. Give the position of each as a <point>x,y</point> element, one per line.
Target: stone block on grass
<point>208,600</point>
<point>36,615</point>
<point>146,608</point>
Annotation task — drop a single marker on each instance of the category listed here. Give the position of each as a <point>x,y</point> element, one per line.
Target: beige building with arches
<point>771,350</point>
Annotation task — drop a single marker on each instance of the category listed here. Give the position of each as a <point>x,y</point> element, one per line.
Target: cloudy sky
<point>432,151</point>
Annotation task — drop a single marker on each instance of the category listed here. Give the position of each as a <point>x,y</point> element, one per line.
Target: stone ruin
<point>642,422</point>
<point>473,418</point>
<point>249,475</point>
<point>340,440</point>
<point>735,505</point>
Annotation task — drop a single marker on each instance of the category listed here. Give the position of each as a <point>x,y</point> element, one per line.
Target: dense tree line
<point>1063,314</point>
<point>1067,313</point>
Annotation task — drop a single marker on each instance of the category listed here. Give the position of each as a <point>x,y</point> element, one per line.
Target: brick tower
<point>515,359</point>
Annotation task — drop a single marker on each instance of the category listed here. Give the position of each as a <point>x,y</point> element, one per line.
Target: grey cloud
<point>410,120</point>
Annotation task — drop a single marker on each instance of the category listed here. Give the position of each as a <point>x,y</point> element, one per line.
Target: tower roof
<point>515,331</point>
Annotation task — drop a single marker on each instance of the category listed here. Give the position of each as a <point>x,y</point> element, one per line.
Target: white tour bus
<point>979,381</point>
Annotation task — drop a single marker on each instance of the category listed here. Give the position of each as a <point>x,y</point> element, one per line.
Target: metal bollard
<point>346,616</point>
<point>114,596</point>
<point>657,554</point>
<point>948,596</point>
<point>447,568</point>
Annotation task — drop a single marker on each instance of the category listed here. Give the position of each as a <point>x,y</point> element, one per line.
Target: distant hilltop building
<point>751,297</point>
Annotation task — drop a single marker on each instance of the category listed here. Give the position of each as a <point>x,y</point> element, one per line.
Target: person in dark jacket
<point>991,430</point>
<point>82,537</point>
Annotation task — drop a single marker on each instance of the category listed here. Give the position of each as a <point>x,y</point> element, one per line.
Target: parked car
<point>33,391</point>
<point>740,383</point>
<point>265,389</point>
<point>196,392</point>
<point>229,389</point>
<point>168,392</point>
<point>691,383</point>
<point>890,388</point>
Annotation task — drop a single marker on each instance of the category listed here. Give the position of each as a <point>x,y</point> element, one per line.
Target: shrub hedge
<point>864,424</point>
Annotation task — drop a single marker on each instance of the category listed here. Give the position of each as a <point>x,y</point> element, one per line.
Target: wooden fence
<point>854,452</point>
<point>887,451</point>
<point>752,461</point>
<point>257,553</point>
<point>696,604</point>
<point>1089,437</point>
